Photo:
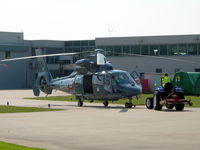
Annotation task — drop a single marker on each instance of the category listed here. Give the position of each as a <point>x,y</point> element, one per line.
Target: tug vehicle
<point>169,96</point>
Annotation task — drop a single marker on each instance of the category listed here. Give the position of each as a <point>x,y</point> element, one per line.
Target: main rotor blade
<point>180,60</point>
<point>39,56</point>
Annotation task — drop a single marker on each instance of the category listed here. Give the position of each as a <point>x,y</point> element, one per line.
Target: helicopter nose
<point>132,90</point>
<point>136,90</point>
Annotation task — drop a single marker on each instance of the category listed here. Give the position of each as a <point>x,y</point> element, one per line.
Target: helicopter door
<point>107,83</point>
<point>87,84</point>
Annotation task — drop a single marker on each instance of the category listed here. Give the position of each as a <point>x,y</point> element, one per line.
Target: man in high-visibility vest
<point>165,79</point>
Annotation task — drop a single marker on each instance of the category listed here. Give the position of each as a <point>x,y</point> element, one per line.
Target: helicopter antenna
<point>110,30</point>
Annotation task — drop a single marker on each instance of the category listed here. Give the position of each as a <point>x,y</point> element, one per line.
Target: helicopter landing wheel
<point>80,103</point>
<point>128,105</point>
<point>105,103</point>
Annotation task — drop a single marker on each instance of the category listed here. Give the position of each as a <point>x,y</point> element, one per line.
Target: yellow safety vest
<point>165,80</point>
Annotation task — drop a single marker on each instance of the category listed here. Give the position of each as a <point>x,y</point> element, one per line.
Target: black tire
<point>128,105</point>
<point>149,103</point>
<point>170,106</point>
<point>157,98</point>
<point>179,107</point>
<point>105,103</point>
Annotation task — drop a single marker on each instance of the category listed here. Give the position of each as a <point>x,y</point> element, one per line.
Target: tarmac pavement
<point>95,127</point>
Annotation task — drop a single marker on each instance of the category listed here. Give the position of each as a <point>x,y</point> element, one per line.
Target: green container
<point>188,81</point>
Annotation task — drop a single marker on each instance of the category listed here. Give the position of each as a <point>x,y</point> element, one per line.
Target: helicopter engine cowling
<point>106,67</point>
<point>84,66</point>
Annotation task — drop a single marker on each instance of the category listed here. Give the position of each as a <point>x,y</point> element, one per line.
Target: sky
<point>87,19</point>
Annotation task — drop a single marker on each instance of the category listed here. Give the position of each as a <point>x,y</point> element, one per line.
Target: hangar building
<point>125,53</point>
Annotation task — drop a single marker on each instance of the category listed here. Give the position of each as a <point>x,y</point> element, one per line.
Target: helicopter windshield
<point>123,78</point>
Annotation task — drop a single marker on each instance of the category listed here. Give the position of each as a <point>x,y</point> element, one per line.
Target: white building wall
<point>149,64</point>
<point>173,39</point>
<point>11,37</point>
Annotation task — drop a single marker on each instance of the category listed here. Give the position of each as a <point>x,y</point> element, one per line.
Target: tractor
<point>169,96</point>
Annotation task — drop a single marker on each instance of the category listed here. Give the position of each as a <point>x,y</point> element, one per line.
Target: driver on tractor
<point>165,79</point>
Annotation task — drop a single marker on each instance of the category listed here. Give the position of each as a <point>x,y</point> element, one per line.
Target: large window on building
<point>192,49</point>
<point>68,44</point>
<point>92,43</point>
<point>182,49</point>
<point>7,54</point>
<point>158,70</point>
<point>53,50</point>
<point>163,49</point>
<point>76,50</point>
<point>126,50</point>
<point>68,50</point>
<point>52,60</point>
<point>172,50</point>
<point>144,50</point>
<point>109,50</point>
<point>76,43</point>
<point>197,69</point>
<point>154,50</point>
<point>135,49</point>
<point>84,49</point>
<point>117,50</point>
<point>198,52</point>
<point>84,43</point>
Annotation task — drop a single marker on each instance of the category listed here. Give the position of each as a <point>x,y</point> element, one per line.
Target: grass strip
<point>9,146</point>
<point>141,101</point>
<point>14,109</point>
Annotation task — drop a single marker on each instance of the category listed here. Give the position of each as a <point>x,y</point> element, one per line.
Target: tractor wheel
<point>179,107</point>
<point>170,106</point>
<point>157,98</point>
<point>105,103</point>
<point>149,103</point>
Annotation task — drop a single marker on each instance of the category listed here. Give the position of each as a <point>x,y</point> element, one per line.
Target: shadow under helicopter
<point>120,108</point>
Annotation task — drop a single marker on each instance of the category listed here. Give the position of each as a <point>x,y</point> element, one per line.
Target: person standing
<point>165,79</point>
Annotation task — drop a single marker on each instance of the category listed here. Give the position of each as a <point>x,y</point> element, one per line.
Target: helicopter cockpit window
<point>122,78</point>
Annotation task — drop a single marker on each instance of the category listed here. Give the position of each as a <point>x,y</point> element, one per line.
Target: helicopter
<point>92,79</point>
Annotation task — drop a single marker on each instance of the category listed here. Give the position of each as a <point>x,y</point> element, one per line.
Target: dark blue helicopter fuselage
<point>104,85</point>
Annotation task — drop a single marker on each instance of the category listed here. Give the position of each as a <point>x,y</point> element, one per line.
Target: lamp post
<point>110,30</point>
<point>155,52</point>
